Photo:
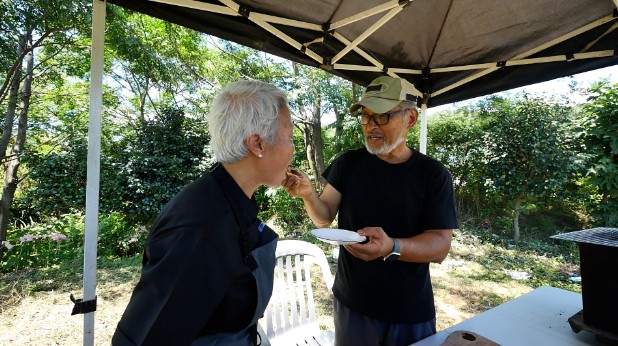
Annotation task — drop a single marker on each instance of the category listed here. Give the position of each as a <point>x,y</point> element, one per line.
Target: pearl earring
<point>260,156</point>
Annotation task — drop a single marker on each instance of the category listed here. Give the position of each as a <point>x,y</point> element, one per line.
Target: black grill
<point>596,236</point>
<point>598,258</point>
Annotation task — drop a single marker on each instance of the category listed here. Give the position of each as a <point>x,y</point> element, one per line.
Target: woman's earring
<point>260,156</point>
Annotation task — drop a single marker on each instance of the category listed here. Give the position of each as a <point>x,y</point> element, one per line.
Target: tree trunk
<point>318,146</point>
<point>340,117</point>
<point>9,118</point>
<point>11,178</point>
<point>516,220</point>
<point>311,129</point>
<point>356,92</point>
<point>305,129</point>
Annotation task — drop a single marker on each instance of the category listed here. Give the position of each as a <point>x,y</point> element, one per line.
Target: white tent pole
<point>93,164</point>
<point>423,139</point>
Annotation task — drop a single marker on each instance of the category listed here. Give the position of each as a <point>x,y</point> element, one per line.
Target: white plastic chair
<point>290,318</point>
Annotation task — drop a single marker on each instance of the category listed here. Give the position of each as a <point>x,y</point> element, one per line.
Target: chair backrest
<point>290,314</point>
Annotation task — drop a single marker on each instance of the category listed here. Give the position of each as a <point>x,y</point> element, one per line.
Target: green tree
<point>54,180</point>
<point>154,63</point>
<point>164,155</point>
<point>528,157</point>
<point>33,31</point>
<point>317,93</point>
<point>600,137</point>
<point>455,138</point>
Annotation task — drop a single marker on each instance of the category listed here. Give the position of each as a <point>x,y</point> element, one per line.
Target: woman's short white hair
<point>241,109</point>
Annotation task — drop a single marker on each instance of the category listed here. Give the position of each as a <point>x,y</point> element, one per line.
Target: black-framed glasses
<point>378,118</point>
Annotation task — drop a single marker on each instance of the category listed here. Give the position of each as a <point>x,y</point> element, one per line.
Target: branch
<point>27,49</point>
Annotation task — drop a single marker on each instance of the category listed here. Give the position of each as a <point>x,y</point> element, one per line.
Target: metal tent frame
<point>451,50</point>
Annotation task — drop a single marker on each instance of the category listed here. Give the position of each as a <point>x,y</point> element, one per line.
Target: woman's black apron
<point>262,260</point>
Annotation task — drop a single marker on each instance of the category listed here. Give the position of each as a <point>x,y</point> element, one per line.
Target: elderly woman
<point>207,270</point>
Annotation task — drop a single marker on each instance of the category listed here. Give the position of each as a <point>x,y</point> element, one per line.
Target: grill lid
<point>597,236</point>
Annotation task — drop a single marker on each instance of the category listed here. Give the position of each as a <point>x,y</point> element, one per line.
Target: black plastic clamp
<point>244,11</point>
<point>83,307</point>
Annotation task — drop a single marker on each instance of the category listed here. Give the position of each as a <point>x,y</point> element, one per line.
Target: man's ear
<point>412,117</point>
<point>255,145</point>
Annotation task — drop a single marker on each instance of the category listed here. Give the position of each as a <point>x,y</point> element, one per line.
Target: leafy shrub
<point>44,244</point>
<point>502,225</point>
<point>286,211</point>
<point>60,239</point>
<point>119,237</point>
<point>164,155</point>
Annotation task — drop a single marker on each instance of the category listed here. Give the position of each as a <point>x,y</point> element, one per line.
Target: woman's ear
<point>255,145</point>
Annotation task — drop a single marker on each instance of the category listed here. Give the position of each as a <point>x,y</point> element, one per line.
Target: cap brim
<point>375,104</point>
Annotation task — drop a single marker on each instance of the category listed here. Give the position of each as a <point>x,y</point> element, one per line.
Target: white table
<point>539,318</point>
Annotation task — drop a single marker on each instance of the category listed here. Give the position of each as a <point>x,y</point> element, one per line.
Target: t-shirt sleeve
<point>440,210</point>
<point>333,173</point>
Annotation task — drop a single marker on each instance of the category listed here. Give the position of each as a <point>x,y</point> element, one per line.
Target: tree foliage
<point>507,155</point>
<point>600,136</point>
<point>34,33</point>
<point>527,157</point>
<point>163,155</point>
<point>456,140</point>
<point>316,94</point>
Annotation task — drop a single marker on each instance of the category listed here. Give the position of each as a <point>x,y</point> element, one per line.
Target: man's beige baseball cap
<point>384,93</point>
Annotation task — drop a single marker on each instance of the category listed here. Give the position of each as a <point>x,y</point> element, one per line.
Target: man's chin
<point>375,149</point>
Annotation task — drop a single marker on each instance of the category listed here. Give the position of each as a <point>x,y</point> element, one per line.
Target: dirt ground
<point>43,318</point>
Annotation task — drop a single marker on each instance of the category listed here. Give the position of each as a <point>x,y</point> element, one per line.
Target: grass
<point>35,307</point>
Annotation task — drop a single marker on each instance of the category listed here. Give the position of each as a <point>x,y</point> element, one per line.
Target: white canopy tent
<point>451,50</point>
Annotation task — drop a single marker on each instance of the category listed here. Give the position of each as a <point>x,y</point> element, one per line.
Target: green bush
<point>287,212</point>
<point>44,244</point>
<point>119,237</point>
<point>60,239</point>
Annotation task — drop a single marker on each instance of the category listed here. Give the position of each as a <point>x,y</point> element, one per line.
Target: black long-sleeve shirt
<point>194,279</point>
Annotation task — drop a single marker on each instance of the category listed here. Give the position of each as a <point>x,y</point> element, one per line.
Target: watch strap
<point>394,255</point>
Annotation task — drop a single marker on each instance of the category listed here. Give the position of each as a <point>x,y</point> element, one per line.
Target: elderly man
<point>403,201</point>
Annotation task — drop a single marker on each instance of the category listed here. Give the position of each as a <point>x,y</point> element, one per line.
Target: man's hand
<point>297,184</point>
<point>379,245</point>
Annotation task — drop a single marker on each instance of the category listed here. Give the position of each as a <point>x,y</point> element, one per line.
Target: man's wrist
<point>311,198</point>
<point>389,250</point>
<point>395,252</point>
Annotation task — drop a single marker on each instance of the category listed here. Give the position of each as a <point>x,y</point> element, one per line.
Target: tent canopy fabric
<point>451,50</point>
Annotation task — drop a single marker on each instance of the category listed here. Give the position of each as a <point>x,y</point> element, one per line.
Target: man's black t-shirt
<point>404,199</point>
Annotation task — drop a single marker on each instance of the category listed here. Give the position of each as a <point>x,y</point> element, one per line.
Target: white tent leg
<point>94,164</point>
<point>423,139</point>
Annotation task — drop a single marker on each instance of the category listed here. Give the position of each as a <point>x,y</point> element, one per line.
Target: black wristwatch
<point>394,255</point>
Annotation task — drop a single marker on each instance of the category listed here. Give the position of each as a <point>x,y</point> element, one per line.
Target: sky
<point>554,87</point>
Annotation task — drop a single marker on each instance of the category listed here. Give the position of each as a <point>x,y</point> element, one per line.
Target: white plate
<point>338,236</point>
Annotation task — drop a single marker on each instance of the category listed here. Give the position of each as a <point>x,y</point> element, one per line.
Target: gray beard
<point>384,149</point>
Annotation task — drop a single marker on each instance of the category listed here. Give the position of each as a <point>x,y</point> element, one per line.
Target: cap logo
<point>374,88</point>
<point>378,88</point>
<point>384,93</point>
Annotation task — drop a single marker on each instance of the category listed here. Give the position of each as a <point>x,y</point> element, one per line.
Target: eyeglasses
<point>378,118</point>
